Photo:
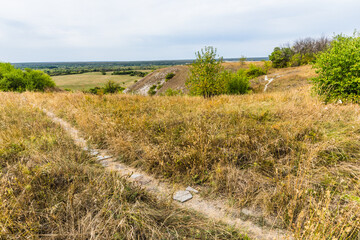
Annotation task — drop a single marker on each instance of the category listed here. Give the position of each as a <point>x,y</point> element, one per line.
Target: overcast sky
<point>119,30</point>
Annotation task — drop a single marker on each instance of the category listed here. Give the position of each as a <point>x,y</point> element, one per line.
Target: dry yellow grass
<point>86,81</point>
<point>51,189</point>
<point>285,154</point>
<point>285,79</point>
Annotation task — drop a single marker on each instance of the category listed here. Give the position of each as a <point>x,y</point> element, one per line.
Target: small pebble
<point>190,189</point>
<point>136,175</point>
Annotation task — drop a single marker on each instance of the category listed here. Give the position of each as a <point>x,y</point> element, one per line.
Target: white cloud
<point>42,30</point>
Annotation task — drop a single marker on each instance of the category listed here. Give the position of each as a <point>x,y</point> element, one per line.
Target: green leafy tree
<point>338,70</point>
<point>280,57</point>
<point>205,74</point>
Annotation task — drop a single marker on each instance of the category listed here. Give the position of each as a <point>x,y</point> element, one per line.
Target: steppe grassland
<point>285,153</point>
<point>50,188</point>
<point>86,81</point>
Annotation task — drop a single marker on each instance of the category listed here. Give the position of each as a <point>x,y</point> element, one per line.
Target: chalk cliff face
<point>158,78</point>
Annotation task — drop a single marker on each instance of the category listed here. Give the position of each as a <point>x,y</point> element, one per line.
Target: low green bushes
<point>169,76</point>
<point>12,79</point>
<point>339,70</point>
<point>110,87</point>
<point>238,83</point>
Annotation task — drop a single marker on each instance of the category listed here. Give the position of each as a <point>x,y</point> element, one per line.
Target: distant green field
<point>86,81</point>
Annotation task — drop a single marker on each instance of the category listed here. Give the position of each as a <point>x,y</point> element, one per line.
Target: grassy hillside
<point>284,79</point>
<point>86,81</point>
<point>51,189</point>
<point>285,154</point>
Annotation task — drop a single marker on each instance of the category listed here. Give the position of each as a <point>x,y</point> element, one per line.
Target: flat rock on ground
<point>182,196</point>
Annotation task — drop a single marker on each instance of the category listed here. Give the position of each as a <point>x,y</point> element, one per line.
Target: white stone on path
<point>100,158</point>
<point>93,152</point>
<point>190,189</point>
<point>136,175</point>
<point>182,196</point>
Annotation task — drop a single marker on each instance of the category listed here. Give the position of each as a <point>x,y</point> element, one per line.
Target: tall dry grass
<point>286,154</point>
<point>51,189</point>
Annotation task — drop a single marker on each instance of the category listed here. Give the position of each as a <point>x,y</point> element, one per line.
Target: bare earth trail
<point>216,210</point>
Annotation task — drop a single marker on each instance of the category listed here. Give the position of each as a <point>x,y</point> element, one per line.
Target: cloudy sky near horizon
<point>119,30</point>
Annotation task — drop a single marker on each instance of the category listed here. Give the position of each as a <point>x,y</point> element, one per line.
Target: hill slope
<point>284,79</point>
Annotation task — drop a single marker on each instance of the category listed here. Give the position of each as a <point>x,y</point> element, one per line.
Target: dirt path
<point>268,82</point>
<point>216,210</point>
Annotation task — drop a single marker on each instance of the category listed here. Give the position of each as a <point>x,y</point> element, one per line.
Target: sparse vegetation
<point>339,70</point>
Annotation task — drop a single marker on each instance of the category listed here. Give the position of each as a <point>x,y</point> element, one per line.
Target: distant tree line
<point>302,52</point>
<point>133,71</point>
<point>130,72</point>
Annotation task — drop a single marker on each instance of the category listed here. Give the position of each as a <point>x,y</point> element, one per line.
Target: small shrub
<point>267,66</point>
<point>242,60</point>
<point>159,86</point>
<point>339,70</point>
<point>152,90</point>
<point>169,76</point>
<point>253,71</point>
<point>238,83</point>
<point>112,87</point>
